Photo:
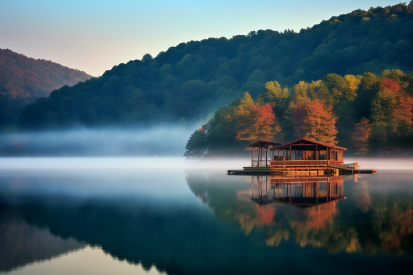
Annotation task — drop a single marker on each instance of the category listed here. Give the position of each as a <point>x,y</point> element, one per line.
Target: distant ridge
<point>24,79</point>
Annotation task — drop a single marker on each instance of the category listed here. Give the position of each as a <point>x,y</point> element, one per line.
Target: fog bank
<point>160,141</point>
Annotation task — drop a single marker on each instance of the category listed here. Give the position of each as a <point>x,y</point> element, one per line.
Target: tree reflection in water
<point>226,231</point>
<point>310,211</point>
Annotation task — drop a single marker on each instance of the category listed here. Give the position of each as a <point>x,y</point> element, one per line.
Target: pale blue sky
<point>93,36</point>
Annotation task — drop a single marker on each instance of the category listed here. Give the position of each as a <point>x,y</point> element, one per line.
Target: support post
<point>328,156</point>
<point>252,157</point>
<point>266,157</point>
<point>291,158</point>
<point>290,192</point>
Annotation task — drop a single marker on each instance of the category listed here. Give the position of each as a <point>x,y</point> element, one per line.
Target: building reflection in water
<point>301,192</point>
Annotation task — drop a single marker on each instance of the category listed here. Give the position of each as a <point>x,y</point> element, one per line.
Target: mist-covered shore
<point>148,141</point>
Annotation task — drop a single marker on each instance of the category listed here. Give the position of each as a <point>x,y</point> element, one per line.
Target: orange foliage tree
<point>404,109</point>
<point>320,123</point>
<point>361,135</point>
<point>255,121</point>
<point>391,85</point>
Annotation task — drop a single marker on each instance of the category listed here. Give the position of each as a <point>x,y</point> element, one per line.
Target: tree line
<point>188,81</point>
<point>366,113</point>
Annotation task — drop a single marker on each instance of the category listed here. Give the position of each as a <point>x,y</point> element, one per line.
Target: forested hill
<point>192,79</point>
<point>24,79</point>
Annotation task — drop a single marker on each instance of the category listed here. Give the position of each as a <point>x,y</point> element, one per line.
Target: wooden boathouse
<point>308,156</point>
<point>304,156</point>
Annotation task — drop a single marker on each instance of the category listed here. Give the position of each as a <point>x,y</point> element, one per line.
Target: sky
<point>93,36</point>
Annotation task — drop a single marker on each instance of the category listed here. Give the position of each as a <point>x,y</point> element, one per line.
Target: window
<point>323,155</point>
<point>340,155</point>
<point>333,155</point>
<point>298,154</point>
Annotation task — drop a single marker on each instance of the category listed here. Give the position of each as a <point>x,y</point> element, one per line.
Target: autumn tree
<point>300,93</point>
<point>361,135</point>
<point>353,84</point>
<point>320,123</point>
<point>391,85</point>
<point>404,109</point>
<point>254,121</point>
<point>317,89</point>
<point>274,94</point>
<point>403,125</point>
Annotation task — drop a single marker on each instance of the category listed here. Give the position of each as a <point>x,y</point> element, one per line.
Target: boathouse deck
<point>304,157</point>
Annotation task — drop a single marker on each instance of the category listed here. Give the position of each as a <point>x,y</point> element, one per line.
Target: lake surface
<point>138,216</point>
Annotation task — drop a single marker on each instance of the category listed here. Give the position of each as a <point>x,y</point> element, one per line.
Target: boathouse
<point>303,149</point>
<point>303,157</point>
<point>306,155</point>
<point>308,149</point>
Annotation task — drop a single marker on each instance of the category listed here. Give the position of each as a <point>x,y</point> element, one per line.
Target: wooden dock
<point>309,172</point>
<point>253,172</point>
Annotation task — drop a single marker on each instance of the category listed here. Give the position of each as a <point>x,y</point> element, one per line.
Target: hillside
<point>24,79</point>
<point>365,113</point>
<point>192,79</point>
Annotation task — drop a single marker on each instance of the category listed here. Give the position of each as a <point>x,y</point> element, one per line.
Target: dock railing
<point>298,164</point>
<point>350,166</point>
<point>261,162</point>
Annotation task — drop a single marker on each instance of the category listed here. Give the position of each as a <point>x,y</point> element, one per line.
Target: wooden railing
<point>351,166</point>
<point>262,163</point>
<point>297,164</point>
<point>309,179</point>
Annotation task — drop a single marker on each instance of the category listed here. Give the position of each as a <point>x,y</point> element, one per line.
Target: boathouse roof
<point>263,144</point>
<point>309,142</point>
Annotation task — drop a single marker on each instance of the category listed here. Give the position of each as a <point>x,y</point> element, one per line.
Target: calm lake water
<point>138,216</point>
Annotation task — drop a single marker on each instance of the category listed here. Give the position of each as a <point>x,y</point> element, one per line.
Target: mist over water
<point>149,141</point>
<point>169,163</point>
<point>146,148</point>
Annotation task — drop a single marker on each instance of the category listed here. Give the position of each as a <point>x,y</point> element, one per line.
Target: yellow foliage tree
<point>300,93</point>
<point>320,123</point>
